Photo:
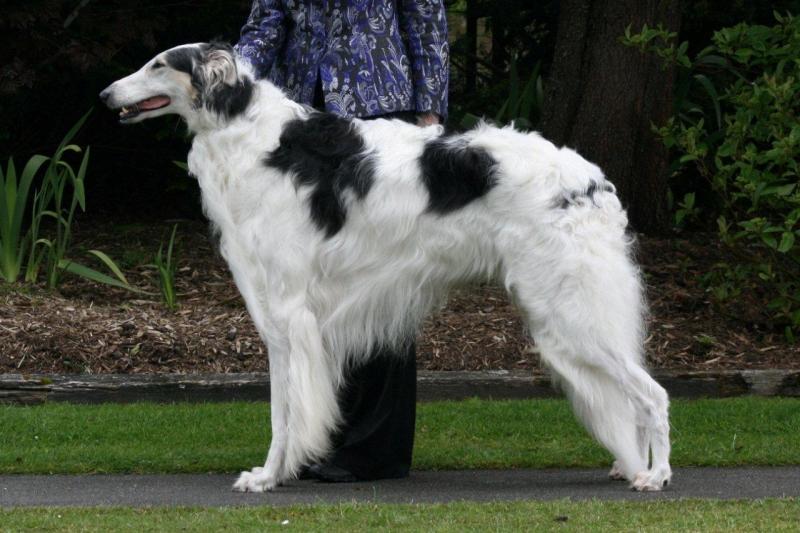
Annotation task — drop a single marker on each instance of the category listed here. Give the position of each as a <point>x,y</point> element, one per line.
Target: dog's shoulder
<point>326,153</point>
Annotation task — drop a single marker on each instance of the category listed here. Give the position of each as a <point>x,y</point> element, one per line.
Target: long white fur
<point>323,303</point>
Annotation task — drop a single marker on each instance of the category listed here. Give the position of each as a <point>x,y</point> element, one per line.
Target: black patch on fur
<point>455,174</point>
<point>589,193</point>
<point>231,101</point>
<point>326,154</point>
<point>226,100</point>
<point>185,59</point>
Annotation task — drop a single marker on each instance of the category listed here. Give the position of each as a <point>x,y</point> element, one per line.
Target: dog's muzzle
<point>130,111</point>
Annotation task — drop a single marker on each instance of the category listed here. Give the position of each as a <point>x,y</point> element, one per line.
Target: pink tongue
<point>154,103</point>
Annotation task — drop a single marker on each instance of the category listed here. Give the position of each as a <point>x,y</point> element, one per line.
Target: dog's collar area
<point>150,104</point>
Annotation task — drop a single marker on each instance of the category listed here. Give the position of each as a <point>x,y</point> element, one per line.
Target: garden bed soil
<point>89,328</point>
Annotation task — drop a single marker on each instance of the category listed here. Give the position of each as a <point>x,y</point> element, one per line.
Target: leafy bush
<point>61,191</point>
<point>523,104</point>
<point>14,193</point>
<point>743,138</point>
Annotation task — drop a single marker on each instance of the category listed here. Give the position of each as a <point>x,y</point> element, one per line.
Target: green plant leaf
<point>787,242</point>
<point>93,275</point>
<point>73,131</point>
<point>779,190</point>
<point>513,93</point>
<point>529,93</point>
<point>500,116</point>
<point>78,182</point>
<point>769,240</point>
<point>112,266</point>
<point>469,121</point>
<point>14,192</point>
<point>170,246</point>
<point>703,80</point>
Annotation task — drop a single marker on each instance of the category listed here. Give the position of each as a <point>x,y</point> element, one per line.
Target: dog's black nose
<point>104,95</point>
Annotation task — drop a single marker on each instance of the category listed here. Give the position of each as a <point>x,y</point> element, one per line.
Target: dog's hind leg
<point>603,408</point>
<point>584,311</point>
<point>643,442</point>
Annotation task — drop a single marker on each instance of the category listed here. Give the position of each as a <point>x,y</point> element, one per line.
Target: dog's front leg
<point>305,411</point>
<point>273,472</point>
<point>275,467</point>
<point>313,381</point>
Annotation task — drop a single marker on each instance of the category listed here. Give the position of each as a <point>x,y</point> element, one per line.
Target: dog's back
<point>397,214</point>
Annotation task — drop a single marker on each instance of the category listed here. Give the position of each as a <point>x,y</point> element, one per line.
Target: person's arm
<point>425,25</point>
<point>262,35</point>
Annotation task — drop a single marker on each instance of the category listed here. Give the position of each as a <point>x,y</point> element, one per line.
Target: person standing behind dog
<point>387,59</point>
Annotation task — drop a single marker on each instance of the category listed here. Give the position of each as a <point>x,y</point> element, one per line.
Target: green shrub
<point>52,207</point>
<point>14,193</point>
<point>742,135</point>
<point>523,104</point>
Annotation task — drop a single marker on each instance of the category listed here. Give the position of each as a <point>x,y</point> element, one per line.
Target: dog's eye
<point>158,64</point>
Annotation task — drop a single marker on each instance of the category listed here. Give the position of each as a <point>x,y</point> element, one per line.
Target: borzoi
<point>342,235</point>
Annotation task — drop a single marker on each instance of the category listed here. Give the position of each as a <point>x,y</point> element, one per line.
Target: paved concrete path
<point>474,485</point>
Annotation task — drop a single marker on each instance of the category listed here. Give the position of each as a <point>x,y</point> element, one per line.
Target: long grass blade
<point>711,91</point>
<point>169,248</point>
<point>74,131</point>
<point>80,191</point>
<point>513,95</point>
<point>10,193</point>
<point>93,275</point>
<point>529,94</point>
<point>112,266</point>
<point>469,121</point>
<point>13,203</point>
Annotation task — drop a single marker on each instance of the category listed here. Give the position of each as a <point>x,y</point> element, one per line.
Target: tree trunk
<point>603,97</point>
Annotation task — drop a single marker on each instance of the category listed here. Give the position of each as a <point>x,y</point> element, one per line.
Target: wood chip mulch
<point>89,328</point>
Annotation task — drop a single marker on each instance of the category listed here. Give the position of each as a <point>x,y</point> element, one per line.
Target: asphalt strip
<point>214,490</point>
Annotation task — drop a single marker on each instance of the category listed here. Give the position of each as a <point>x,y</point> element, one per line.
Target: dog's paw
<point>616,473</point>
<point>652,480</point>
<point>255,481</point>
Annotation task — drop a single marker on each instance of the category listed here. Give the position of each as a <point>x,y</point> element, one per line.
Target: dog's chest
<point>228,179</point>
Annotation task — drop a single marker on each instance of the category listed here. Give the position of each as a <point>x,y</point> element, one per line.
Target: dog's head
<point>187,80</point>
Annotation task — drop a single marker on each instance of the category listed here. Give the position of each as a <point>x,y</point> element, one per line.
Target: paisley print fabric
<point>372,56</point>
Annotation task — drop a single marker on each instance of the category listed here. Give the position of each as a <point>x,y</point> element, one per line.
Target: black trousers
<point>379,410</point>
<point>376,438</point>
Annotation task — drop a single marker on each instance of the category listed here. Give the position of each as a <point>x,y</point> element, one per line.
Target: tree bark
<point>603,97</point>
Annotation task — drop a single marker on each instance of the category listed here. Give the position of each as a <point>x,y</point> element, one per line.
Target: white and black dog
<point>342,235</point>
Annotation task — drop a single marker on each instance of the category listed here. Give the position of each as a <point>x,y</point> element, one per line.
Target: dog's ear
<point>224,89</point>
<point>218,67</point>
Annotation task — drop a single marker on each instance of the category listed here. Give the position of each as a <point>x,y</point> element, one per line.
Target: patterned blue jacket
<point>373,56</point>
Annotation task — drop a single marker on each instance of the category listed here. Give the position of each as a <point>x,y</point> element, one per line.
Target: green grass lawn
<point>768,515</point>
<point>227,437</point>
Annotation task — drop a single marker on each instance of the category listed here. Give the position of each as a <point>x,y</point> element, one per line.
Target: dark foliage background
<point>58,54</point>
<point>62,53</point>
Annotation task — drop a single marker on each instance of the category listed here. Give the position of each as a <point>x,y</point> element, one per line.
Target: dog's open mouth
<point>151,104</point>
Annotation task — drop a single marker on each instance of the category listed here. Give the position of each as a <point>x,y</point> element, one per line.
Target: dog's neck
<point>237,143</point>
<point>262,102</point>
